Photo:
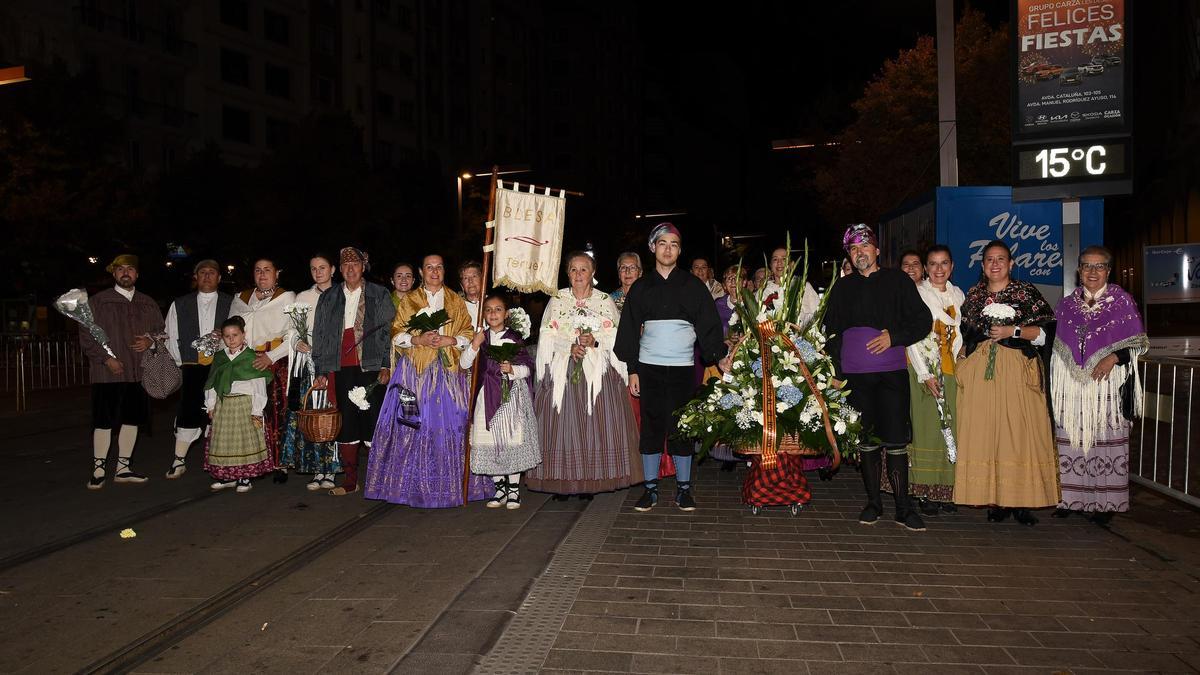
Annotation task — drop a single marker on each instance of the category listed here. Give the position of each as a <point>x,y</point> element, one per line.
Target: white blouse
<point>558,334</point>
<point>266,322</point>
<point>467,358</point>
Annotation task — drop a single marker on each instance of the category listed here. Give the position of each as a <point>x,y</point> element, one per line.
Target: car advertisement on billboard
<point>1070,67</point>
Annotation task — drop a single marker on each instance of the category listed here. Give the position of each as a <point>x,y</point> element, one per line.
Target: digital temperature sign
<point>1071,168</point>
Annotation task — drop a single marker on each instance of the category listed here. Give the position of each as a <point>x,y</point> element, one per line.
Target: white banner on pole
<point>529,235</point>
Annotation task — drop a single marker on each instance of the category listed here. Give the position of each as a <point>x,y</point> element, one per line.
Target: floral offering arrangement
<point>996,314</point>
<point>74,305</point>
<point>500,351</point>
<point>781,384</point>
<point>518,320</point>
<point>426,321</point>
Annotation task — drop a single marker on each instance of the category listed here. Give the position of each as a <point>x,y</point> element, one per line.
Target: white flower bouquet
<point>518,320</point>
<point>359,396</point>
<point>74,305</point>
<point>996,314</point>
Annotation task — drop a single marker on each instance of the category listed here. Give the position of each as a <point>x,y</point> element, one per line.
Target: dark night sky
<point>739,79</point>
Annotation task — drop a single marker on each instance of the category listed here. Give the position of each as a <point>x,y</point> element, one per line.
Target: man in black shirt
<point>872,315</point>
<point>666,313</point>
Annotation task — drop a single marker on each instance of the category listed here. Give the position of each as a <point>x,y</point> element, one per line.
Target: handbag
<point>160,376</point>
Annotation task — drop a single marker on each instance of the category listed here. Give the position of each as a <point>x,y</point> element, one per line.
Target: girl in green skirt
<point>235,395</point>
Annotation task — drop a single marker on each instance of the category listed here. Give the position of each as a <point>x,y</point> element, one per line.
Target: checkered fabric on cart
<point>782,485</point>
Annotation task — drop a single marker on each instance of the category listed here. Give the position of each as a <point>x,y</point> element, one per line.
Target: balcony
<point>167,42</point>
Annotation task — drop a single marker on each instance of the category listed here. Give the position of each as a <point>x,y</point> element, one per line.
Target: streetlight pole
<point>467,175</point>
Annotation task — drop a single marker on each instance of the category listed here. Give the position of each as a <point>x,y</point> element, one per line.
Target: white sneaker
<point>222,485</point>
<point>315,483</point>
<point>327,482</point>
<point>243,485</point>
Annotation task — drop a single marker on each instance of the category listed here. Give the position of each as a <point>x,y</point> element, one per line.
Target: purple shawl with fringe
<point>492,375</point>
<point>1091,333</point>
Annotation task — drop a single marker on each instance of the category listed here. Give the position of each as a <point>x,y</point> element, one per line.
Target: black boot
<point>897,468</point>
<point>872,474</point>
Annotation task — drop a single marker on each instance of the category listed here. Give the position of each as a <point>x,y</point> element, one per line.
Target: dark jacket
<point>886,300</point>
<point>122,320</point>
<point>680,296</point>
<point>377,324</point>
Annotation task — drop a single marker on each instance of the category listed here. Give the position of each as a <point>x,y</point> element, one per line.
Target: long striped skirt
<point>236,447</point>
<point>581,452</point>
<point>1099,480</point>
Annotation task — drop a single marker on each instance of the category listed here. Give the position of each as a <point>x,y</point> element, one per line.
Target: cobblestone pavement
<point>723,591</point>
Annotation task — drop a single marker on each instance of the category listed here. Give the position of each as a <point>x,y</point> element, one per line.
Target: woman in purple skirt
<point>418,459</point>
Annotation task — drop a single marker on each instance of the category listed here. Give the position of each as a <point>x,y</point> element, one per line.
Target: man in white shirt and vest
<point>191,316</point>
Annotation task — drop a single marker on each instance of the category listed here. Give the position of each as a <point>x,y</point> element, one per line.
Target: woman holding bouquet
<point>504,440</point>
<point>1006,453</point>
<point>588,436</point>
<point>318,459</point>
<point>423,466</point>
<point>267,327</point>
<point>931,382</point>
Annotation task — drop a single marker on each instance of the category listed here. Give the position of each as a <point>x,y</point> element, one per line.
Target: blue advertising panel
<point>969,218</point>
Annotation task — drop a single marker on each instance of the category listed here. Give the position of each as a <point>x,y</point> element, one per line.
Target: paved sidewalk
<point>721,591</point>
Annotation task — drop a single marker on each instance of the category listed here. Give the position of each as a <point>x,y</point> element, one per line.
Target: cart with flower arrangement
<point>779,401</point>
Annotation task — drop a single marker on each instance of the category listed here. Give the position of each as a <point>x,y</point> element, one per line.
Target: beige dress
<point>1006,451</point>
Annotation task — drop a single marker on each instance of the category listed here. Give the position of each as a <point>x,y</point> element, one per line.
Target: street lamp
<point>467,175</point>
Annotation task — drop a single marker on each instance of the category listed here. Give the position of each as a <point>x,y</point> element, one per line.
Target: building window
<point>276,27</point>
<point>326,42</point>
<point>277,81</point>
<point>358,99</point>
<point>404,17</point>
<point>325,90</point>
<point>385,105</point>
<point>405,111</point>
<point>404,63</point>
<point>278,133</point>
<point>236,13</point>
<point>236,125</point>
<point>168,157</point>
<point>383,154</point>
<point>134,158</point>
<point>133,90</point>
<point>383,9</point>
<point>383,55</point>
<point>235,67</point>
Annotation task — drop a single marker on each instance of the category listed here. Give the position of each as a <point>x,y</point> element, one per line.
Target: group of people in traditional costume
<point>995,380</point>
<point>961,403</point>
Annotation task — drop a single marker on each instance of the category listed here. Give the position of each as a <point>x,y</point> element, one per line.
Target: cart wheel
<point>795,509</point>
<point>755,510</point>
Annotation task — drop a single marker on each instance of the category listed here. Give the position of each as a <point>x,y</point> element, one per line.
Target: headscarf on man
<point>660,230</point>
<point>859,233</point>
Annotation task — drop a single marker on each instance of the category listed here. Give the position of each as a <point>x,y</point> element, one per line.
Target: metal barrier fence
<point>1162,440</point>
<point>32,363</point>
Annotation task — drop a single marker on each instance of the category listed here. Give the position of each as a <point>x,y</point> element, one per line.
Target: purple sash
<point>856,358</point>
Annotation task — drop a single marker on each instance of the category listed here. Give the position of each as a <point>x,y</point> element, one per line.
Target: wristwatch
<point>1017,332</point>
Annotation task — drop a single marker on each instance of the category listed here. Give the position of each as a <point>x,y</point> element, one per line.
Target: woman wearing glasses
<point>1095,390</point>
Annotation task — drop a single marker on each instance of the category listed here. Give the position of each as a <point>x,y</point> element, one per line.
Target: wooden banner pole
<point>489,237</point>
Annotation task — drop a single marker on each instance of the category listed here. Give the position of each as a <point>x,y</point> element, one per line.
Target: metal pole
<point>20,378</point>
<point>1071,244</point>
<point>488,237</point>
<point>947,117</point>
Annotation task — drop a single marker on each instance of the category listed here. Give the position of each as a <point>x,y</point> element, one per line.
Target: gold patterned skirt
<point>1006,452</point>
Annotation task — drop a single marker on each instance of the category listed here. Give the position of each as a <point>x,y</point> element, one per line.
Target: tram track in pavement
<point>149,645</point>
<point>43,550</point>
